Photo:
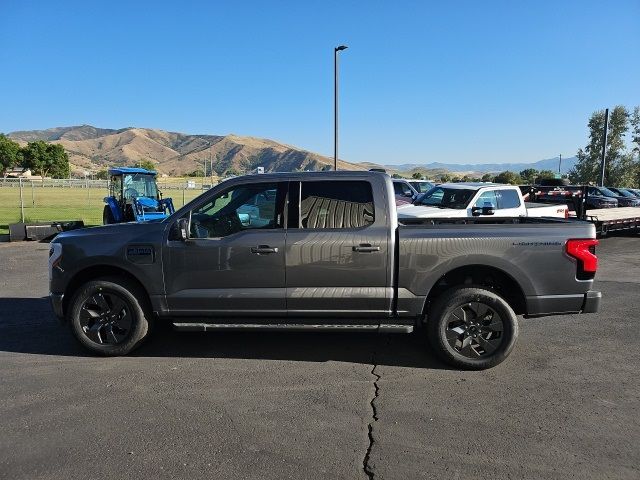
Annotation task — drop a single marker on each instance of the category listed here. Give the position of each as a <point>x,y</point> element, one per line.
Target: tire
<point>472,328</point>
<point>109,316</point>
<point>107,216</point>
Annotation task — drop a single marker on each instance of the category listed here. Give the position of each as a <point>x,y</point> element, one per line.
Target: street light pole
<point>335,104</point>
<point>560,165</point>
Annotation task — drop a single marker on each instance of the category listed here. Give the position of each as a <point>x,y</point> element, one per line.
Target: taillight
<point>584,251</point>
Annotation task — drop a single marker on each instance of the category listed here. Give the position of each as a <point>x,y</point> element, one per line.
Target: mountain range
<point>91,149</point>
<point>547,164</point>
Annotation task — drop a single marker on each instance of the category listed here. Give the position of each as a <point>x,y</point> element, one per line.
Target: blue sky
<point>458,81</point>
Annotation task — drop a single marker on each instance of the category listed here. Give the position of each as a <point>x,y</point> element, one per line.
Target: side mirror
<point>487,210</point>
<point>183,229</point>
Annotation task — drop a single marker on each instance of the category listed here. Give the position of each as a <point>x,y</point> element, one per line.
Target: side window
<point>245,207</point>
<point>593,191</point>
<point>116,186</point>
<point>397,188</point>
<point>336,204</point>
<point>509,199</point>
<point>487,199</point>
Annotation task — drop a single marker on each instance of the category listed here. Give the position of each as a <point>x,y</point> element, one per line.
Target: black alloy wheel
<point>105,318</point>
<point>474,330</point>
<point>472,327</point>
<point>110,315</point>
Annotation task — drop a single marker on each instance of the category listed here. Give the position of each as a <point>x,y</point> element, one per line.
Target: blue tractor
<point>134,197</point>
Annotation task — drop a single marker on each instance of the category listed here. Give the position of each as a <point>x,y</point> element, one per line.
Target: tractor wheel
<point>107,216</point>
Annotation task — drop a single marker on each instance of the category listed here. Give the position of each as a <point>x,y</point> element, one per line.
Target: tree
<point>508,177</point>
<point>529,175</point>
<point>635,142</point>
<point>445,177</point>
<point>102,174</point>
<point>147,164</point>
<point>546,174</point>
<point>46,159</point>
<point>10,153</point>
<point>487,177</point>
<point>620,168</point>
<point>396,175</point>
<point>417,176</point>
<point>587,167</point>
<point>635,130</point>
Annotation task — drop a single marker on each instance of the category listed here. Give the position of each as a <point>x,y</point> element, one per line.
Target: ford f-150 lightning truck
<point>322,252</point>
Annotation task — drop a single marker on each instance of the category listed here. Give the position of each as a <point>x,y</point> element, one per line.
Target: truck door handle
<point>366,247</point>
<point>260,249</point>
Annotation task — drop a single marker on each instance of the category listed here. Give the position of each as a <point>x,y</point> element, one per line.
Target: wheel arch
<point>100,271</point>
<point>484,276</point>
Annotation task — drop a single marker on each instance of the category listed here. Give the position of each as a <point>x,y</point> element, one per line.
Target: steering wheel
<point>131,193</point>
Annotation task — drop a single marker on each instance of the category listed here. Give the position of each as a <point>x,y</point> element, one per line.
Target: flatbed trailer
<point>614,219</point>
<point>605,219</point>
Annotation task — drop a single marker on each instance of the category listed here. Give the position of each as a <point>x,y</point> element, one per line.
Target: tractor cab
<point>134,197</point>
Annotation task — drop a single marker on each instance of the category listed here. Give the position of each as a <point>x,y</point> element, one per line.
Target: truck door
<point>337,250</point>
<point>233,262</point>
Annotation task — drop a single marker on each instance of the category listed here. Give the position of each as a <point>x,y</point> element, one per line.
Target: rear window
<point>336,205</point>
<point>509,199</point>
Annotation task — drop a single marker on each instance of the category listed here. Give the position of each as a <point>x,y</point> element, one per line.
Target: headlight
<point>55,257</point>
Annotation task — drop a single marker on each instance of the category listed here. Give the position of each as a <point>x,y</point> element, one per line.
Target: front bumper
<point>539,306</point>
<point>56,300</point>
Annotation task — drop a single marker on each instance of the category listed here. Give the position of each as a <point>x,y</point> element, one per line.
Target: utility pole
<point>604,147</point>
<point>560,165</point>
<point>335,104</point>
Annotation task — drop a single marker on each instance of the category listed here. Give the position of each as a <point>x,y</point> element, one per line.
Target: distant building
<point>19,173</point>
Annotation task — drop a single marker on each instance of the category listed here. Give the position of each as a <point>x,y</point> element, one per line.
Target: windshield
<point>608,193</point>
<point>624,193</point>
<point>140,185</point>
<point>443,197</point>
<point>422,187</point>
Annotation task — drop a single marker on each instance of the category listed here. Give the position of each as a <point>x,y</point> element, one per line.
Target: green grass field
<point>47,204</point>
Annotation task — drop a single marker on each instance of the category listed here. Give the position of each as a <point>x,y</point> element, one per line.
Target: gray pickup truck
<point>321,252</point>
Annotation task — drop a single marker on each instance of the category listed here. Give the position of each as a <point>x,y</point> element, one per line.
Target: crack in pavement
<point>374,415</point>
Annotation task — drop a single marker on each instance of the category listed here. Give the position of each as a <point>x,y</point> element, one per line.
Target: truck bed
<point>408,222</point>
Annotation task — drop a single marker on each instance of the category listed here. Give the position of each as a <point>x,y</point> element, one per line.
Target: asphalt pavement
<point>564,405</point>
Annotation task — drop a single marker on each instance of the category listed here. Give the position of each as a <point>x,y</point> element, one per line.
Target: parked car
<point>403,189</point>
<point>635,191</point>
<point>625,193</point>
<point>475,199</point>
<point>623,200</point>
<point>325,253</point>
<point>421,186</point>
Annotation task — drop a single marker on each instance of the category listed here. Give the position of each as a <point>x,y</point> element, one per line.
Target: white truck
<point>451,200</point>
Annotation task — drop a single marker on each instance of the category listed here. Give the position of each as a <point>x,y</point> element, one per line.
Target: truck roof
<point>125,170</point>
<point>473,185</point>
<point>319,175</point>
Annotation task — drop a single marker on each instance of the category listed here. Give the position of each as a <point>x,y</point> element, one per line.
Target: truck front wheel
<point>107,316</point>
<point>472,328</point>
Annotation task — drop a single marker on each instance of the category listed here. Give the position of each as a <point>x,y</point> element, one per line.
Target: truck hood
<point>419,211</point>
<point>122,231</point>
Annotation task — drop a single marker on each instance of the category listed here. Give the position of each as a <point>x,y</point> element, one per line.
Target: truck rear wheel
<point>472,328</point>
<point>108,316</point>
<point>107,216</point>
